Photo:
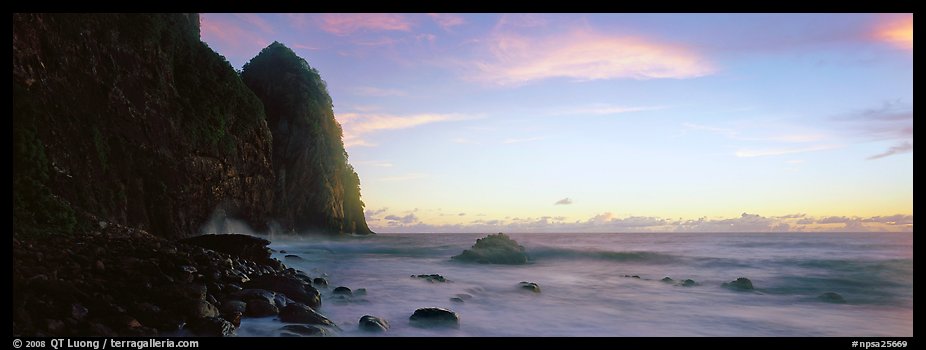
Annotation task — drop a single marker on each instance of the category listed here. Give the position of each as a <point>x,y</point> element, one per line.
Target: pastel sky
<point>613,122</point>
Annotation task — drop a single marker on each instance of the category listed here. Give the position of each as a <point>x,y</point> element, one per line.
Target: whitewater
<point>588,288</point>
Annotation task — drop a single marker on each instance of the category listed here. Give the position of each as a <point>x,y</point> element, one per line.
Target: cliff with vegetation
<point>316,188</point>
<point>131,119</point>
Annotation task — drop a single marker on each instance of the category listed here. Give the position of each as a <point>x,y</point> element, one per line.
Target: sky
<point>612,122</point>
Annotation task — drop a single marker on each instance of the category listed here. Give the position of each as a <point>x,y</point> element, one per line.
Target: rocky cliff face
<point>132,119</point>
<point>316,188</point>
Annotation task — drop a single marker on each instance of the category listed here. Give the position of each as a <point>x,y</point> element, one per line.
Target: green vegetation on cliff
<point>316,188</point>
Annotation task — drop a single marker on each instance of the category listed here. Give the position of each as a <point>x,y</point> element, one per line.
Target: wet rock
<point>212,327</point>
<point>301,313</point>
<point>281,301</point>
<point>321,282</point>
<point>234,318</point>
<point>305,330</point>
<point>531,286</point>
<point>464,296</point>
<point>457,300</point>
<point>434,317</point>
<point>688,283</point>
<point>245,246</point>
<point>342,291</point>
<point>203,309</point>
<point>261,308</point>
<point>432,278</point>
<point>292,287</point>
<point>292,257</point>
<point>832,297</point>
<point>667,280</point>
<point>741,283</point>
<point>373,324</point>
<point>494,249</point>
<point>78,312</point>
<point>254,294</point>
<point>360,291</point>
<point>193,291</point>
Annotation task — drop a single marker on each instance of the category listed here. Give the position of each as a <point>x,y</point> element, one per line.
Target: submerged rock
<point>741,283</point>
<point>531,286</point>
<point>373,324</point>
<point>688,283</point>
<point>464,296</point>
<point>494,249</point>
<point>342,291</point>
<point>457,300</point>
<point>831,297</point>
<point>436,317</point>
<point>304,330</point>
<point>432,278</point>
<point>293,257</point>
<point>667,280</point>
<point>321,282</point>
<point>360,291</point>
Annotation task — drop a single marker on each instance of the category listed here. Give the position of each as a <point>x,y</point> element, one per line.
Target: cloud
<point>903,147</point>
<point>378,92</point>
<point>608,222</point>
<point>521,140</point>
<point>461,214</point>
<point>564,201</point>
<point>581,54</point>
<point>748,153</point>
<point>371,214</point>
<point>228,35</point>
<point>898,32</point>
<point>407,219</point>
<point>342,24</point>
<point>447,21</point>
<point>358,125</point>
<point>605,109</point>
<point>255,20</point>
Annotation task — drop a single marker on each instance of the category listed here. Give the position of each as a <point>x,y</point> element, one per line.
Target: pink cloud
<point>447,21</point>
<point>515,59</point>
<point>358,125</point>
<point>348,23</point>
<point>229,36</point>
<point>897,31</point>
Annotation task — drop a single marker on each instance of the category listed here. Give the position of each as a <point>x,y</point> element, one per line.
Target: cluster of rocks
<point>494,249</point>
<point>119,281</point>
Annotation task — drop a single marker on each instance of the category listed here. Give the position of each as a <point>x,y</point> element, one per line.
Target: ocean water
<point>585,293</point>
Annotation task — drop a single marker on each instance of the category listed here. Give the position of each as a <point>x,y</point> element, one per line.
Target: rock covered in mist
<point>741,283</point>
<point>832,297</point>
<point>494,249</point>
<point>301,313</point>
<point>432,278</point>
<point>373,324</point>
<point>435,317</point>
<point>530,286</point>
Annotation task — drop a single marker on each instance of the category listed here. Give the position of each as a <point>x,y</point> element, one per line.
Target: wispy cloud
<point>348,23</point>
<point>358,125</point>
<point>446,20</point>
<point>379,92</point>
<point>255,20</point>
<point>564,201</point>
<point>521,140</point>
<point>605,109</point>
<point>748,153</point>
<point>581,54</point>
<point>901,148</point>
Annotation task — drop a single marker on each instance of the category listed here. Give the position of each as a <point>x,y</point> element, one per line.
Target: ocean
<point>584,291</point>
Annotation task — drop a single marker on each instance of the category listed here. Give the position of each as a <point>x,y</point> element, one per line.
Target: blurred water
<point>584,292</point>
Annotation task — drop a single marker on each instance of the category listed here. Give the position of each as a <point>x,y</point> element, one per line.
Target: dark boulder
<point>494,249</point>
<point>203,309</point>
<point>434,317</point>
<point>211,327</point>
<point>741,283</point>
<point>261,308</point>
<point>245,246</point>
<point>247,295</point>
<point>293,287</point>
<point>373,324</point>
<point>321,282</point>
<point>667,280</point>
<point>688,283</point>
<point>342,291</point>
<point>301,313</point>
<point>232,306</point>
<point>432,278</point>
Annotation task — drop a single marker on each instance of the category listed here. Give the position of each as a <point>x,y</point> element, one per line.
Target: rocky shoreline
<point>120,281</point>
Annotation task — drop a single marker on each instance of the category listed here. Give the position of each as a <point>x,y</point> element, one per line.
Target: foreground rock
<point>301,313</point>
<point>373,324</point>
<point>741,283</point>
<point>494,249</point>
<point>530,286</point>
<point>150,286</point>
<point>434,317</point>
